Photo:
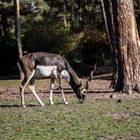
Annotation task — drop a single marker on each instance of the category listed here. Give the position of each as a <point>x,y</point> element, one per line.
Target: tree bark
<point>128,47</point>
<point>123,37</point>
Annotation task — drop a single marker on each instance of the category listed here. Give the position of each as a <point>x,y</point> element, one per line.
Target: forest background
<point>73,28</point>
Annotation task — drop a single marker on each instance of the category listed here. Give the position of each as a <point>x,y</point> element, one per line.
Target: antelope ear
<point>80,83</point>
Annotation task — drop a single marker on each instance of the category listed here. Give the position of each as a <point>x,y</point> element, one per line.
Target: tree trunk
<point>17,28</point>
<point>107,10</point>
<point>128,46</point>
<point>66,22</point>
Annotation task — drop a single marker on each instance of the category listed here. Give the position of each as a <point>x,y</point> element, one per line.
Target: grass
<point>95,119</point>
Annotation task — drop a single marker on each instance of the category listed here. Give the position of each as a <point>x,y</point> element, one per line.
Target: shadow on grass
<point>100,91</point>
<point>18,106</point>
<point>8,106</point>
<point>35,105</point>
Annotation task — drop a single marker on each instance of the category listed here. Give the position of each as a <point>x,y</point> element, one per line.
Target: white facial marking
<point>83,91</point>
<point>45,71</point>
<point>65,75</point>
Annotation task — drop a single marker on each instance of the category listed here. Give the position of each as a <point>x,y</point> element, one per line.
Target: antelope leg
<point>32,88</point>
<point>51,90</point>
<point>62,92</point>
<point>23,89</point>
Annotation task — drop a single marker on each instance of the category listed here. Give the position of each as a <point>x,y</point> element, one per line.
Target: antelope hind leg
<point>22,88</point>
<point>32,88</point>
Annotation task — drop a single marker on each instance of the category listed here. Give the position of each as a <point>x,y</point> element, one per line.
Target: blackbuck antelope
<point>46,65</point>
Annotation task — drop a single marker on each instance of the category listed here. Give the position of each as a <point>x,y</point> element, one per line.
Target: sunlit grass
<point>15,83</point>
<point>9,83</point>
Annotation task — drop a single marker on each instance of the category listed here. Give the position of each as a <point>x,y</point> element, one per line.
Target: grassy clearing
<point>95,119</point>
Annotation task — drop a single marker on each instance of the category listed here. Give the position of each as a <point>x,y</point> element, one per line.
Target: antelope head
<point>81,91</point>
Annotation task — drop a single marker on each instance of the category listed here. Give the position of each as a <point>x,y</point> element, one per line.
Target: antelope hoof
<point>52,103</point>
<point>66,103</point>
<point>81,101</point>
<point>42,104</point>
<point>23,106</point>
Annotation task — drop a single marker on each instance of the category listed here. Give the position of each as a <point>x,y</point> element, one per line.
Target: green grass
<point>9,83</point>
<point>95,119</point>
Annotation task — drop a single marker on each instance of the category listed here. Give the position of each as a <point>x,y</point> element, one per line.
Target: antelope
<point>40,65</point>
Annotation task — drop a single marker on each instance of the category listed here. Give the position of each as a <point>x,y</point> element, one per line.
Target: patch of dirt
<point>128,137</point>
<point>98,88</point>
<point>124,115</point>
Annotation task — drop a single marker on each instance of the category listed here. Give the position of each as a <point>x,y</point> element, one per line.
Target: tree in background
<point>108,16</point>
<point>127,44</point>
<point>18,28</point>
<point>66,19</point>
<point>61,26</point>
<point>8,42</point>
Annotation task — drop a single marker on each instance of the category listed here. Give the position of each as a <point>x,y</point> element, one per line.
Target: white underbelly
<point>45,71</point>
<point>50,71</point>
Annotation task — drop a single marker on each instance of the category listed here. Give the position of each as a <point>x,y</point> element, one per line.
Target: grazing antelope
<point>47,65</point>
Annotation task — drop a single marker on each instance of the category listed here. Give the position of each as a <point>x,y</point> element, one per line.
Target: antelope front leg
<point>51,90</point>
<point>62,92</point>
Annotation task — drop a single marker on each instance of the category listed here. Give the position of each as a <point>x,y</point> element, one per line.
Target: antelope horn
<point>92,72</point>
<point>86,85</point>
<point>91,76</point>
